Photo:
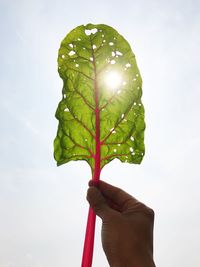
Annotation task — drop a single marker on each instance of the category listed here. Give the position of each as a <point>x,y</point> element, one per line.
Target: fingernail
<point>93,183</point>
<point>90,183</point>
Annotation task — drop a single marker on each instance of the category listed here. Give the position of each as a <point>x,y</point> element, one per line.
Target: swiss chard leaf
<point>101,116</point>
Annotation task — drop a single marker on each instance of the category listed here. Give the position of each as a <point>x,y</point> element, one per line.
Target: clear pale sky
<point>42,207</point>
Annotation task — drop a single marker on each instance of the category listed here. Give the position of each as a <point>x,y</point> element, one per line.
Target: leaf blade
<point>86,56</point>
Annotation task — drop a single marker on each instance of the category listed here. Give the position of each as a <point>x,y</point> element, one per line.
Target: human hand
<point>127,226</point>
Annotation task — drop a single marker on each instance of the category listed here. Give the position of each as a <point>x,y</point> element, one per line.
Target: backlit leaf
<point>101,110</point>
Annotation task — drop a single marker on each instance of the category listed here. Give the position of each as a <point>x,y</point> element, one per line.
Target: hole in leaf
<point>119,53</point>
<point>122,116</point>
<point>77,65</point>
<point>85,139</point>
<point>115,150</point>
<point>71,53</point>
<point>128,65</point>
<point>132,138</point>
<point>137,75</point>
<point>94,47</point>
<point>131,149</point>
<point>91,59</point>
<point>71,45</point>
<point>111,43</point>
<point>113,132</point>
<point>111,129</point>
<point>104,41</point>
<point>94,30</point>
<point>89,32</point>
<point>66,109</point>
<point>63,56</point>
<point>119,144</point>
<point>79,39</point>
<point>84,48</point>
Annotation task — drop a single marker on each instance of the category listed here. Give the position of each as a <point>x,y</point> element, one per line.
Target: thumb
<point>98,203</point>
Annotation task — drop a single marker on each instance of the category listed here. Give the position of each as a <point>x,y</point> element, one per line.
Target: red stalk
<point>89,240</point>
<point>90,228</point>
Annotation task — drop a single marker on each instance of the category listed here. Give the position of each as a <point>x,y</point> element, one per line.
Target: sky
<point>43,208</point>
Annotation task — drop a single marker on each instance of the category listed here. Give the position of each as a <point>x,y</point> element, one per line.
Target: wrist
<point>144,260</point>
<point>134,264</point>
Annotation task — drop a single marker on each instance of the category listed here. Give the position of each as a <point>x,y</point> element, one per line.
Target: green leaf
<point>101,110</point>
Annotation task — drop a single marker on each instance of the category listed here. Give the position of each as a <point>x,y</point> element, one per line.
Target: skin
<point>127,226</point>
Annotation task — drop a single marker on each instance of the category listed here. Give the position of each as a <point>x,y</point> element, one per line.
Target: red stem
<point>89,240</point>
<point>90,229</point>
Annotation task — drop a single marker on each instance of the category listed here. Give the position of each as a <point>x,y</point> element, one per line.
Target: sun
<point>113,80</point>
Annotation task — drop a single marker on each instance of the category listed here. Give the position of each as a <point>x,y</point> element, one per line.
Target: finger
<point>108,200</point>
<point>91,183</point>
<point>98,203</point>
<point>122,199</point>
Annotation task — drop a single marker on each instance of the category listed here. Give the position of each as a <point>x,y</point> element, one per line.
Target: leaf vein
<point>84,126</point>
<point>81,73</point>
<point>77,144</point>
<point>115,155</point>
<point>84,99</point>
<point>118,123</point>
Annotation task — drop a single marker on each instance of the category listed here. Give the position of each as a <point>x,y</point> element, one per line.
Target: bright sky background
<point>43,208</point>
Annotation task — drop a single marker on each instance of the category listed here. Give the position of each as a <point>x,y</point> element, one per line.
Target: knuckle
<point>99,204</point>
<point>150,213</point>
